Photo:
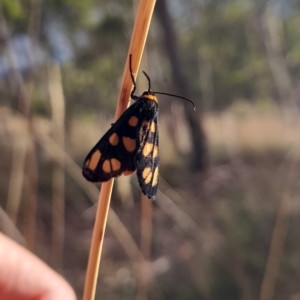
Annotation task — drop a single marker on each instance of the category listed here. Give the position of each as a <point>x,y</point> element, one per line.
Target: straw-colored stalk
<point>146,237</point>
<point>140,31</point>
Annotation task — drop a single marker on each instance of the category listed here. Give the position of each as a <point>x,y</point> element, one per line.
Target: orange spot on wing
<point>147,149</point>
<point>155,177</point>
<point>146,172</point>
<point>133,121</point>
<point>148,179</point>
<point>106,166</point>
<point>155,151</point>
<point>93,162</point>
<point>147,175</point>
<point>129,144</point>
<point>114,139</point>
<point>153,127</point>
<point>115,164</point>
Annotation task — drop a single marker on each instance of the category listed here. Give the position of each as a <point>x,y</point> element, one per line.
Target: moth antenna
<point>132,95</point>
<point>176,96</point>
<point>149,81</point>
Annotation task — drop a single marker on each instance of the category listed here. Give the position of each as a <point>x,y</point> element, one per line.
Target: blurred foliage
<point>12,9</point>
<point>225,35</point>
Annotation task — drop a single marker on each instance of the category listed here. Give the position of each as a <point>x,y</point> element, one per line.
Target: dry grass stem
<point>146,238</point>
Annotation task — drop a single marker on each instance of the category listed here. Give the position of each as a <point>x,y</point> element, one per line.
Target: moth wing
<point>147,159</point>
<point>114,153</point>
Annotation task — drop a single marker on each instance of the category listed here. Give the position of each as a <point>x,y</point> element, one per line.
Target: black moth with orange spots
<point>130,145</point>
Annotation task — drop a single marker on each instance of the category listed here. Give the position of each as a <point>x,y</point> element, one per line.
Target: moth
<point>131,144</point>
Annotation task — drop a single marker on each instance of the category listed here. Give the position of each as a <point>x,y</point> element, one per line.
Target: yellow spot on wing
<point>147,149</point>
<point>93,162</point>
<point>129,143</point>
<point>115,164</point>
<point>155,151</point>
<point>155,177</point>
<point>146,172</point>
<point>114,139</point>
<point>106,166</point>
<point>133,121</point>
<point>147,175</point>
<point>153,127</point>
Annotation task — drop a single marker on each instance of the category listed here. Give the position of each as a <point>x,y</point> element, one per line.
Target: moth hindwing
<point>130,145</point>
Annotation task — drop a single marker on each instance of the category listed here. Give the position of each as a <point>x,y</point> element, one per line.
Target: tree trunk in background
<point>199,155</point>
<point>272,29</point>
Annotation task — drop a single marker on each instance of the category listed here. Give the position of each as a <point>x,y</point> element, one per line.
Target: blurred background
<point>226,222</point>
